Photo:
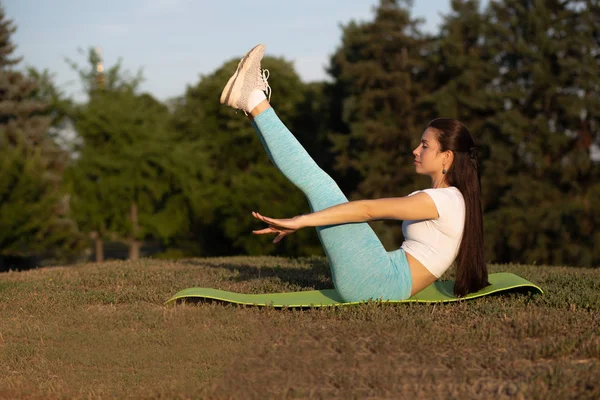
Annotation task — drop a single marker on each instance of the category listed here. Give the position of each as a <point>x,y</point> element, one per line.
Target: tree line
<point>523,75</point>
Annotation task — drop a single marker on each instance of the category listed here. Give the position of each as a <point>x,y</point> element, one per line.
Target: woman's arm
<point>417,207</point>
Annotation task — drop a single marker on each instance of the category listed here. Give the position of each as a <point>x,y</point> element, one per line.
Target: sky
<point>174,42</point>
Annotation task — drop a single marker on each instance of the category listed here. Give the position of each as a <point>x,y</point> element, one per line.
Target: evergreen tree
<point>233,174</point>
<point>460,83</point>
<point>33,211</point>
<point>541,207</point>
<point>125,183</point>
<point>375,119</point>
<point>59,106</point>
<point>459,69</point>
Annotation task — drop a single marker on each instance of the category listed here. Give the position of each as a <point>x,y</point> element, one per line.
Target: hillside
<point>102,330</point>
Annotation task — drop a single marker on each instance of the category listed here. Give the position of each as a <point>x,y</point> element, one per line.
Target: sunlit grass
<point>102,330</point>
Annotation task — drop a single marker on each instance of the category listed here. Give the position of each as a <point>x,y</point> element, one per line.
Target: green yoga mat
<point>438,292</point>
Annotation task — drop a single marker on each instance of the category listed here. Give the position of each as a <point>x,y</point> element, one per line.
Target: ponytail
<point>471,270</point>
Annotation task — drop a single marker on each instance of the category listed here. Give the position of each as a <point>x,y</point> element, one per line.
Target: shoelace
<point>265,76</point>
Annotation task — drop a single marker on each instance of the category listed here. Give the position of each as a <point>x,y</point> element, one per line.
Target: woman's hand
<point>282,227</point>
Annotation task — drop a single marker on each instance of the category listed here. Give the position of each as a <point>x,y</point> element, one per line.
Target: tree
<point>543,182</point>
<point>232,173</point>
<point>33,211</point>
<point>460,71</point>
<point>375,120</point>
<point>459,83</point>
<point>125,183</point>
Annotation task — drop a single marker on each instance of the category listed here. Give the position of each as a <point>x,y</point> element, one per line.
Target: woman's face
<point>428,158</point>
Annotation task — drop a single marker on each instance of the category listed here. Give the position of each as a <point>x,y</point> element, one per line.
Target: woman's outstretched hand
<point>282,227</point>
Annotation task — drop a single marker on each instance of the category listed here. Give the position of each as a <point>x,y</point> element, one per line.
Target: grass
<point>103,331</point>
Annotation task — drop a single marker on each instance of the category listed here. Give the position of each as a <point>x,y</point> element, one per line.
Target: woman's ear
<point>449,157</point>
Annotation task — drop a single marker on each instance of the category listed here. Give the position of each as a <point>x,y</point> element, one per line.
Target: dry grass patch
<point>103,331</point>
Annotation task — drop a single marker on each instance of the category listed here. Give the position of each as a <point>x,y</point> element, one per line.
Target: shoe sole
<point>231,87</point>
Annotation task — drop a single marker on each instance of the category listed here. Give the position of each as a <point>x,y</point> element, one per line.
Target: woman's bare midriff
<point>421,277</point>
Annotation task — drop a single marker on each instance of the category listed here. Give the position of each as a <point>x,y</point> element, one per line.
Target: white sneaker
<point>247,78</point>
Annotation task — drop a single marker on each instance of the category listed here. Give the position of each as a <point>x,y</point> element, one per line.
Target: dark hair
<point>471,271</point>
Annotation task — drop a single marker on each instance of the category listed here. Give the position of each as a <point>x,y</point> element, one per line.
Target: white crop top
<point>435,242</point>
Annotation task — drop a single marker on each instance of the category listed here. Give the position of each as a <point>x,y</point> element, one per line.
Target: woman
<point>441,224</point>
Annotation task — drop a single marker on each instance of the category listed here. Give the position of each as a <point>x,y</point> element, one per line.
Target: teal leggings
<point>361,268</point>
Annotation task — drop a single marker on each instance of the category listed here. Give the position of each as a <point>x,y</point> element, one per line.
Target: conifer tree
<point>459,70</point>
<point>375,119</point>
<point>33,209</point>
<point>460,84</point>
<point>544,179</point>
<point>125,183</point>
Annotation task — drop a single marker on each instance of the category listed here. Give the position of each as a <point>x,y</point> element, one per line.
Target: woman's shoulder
<point>448,190</point>
<point>445,192</point>
<point>446,199</point>
<point>452,192</point>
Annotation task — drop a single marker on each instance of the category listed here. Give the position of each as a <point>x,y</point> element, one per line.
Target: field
<point>103,331</point>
